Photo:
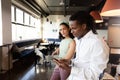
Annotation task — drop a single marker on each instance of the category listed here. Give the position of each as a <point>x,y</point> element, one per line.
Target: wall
<point>51,25</point>
<point>0,25</point>
<point>0,36</point>
<point>57,19</point>
<point>114,39</point>
<point>114,32</point>
<point>114,35</point>
<point>6,32</point>
<point>6,21</point>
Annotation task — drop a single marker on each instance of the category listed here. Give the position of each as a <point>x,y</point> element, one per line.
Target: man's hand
<point>63,63</point>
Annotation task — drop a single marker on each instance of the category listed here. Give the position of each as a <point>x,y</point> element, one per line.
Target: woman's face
<point>64,30</point>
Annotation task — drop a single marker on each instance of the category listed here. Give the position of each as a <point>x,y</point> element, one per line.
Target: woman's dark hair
<point>70,34</point>
<point>83,17</point>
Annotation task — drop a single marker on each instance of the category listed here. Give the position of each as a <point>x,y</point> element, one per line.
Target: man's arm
<point>98,61</point>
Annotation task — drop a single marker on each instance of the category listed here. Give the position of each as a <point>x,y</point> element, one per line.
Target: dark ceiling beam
<point>35,6</point>
<point>23,6</point>
<point>64,7</point>
<point>26,2</point>
<point>46,5</point>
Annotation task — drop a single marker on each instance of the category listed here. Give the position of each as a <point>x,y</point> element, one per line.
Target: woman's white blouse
<point>92,55</point>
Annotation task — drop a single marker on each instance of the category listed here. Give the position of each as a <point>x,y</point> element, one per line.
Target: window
<point>25,26</point>
<point>13,14</point>
<point>19,16</point>
<point>14,32</point>
<point>32,21</point>
<point>27,19</point>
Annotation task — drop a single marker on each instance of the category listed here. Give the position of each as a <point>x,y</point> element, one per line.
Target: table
<point>44,44</point>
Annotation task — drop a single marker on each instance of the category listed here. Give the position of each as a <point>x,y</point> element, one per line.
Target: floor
<point>29,72</point>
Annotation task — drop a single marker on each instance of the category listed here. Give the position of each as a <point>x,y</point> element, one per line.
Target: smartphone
<point>55,59</point>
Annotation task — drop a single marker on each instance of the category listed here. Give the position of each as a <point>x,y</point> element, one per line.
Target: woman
<point>66,50</point>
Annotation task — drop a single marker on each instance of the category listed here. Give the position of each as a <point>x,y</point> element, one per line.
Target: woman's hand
<point>55,52</point>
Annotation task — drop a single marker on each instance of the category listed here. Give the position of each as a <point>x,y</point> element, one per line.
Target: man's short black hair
<point>83,17</point>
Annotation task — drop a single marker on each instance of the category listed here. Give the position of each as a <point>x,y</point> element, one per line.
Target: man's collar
<point>86,35</point>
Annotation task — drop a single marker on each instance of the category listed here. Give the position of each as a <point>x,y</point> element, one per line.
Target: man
<point>92,53</point>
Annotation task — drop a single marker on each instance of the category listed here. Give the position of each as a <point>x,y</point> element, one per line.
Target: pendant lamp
<point>96,15</point>
<point>111,8</point>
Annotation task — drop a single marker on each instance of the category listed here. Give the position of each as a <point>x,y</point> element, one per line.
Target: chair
<point>41,55</point>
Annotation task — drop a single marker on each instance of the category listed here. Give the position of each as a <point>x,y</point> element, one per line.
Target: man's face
<point>76,29</point>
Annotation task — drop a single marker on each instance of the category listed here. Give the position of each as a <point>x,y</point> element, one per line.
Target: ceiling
<point>53,7</point>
